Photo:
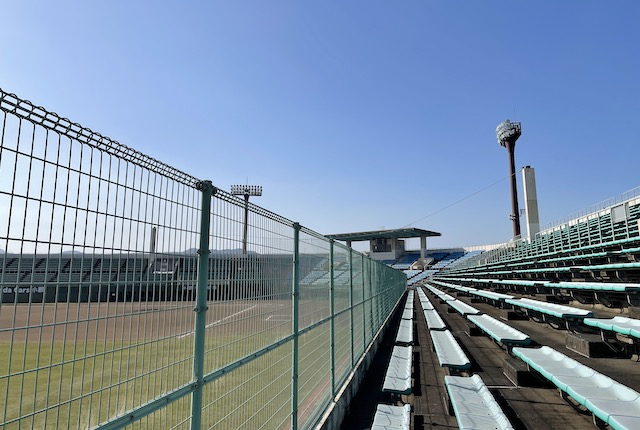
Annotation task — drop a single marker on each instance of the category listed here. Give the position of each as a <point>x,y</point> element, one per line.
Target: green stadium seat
<point>612,402</point>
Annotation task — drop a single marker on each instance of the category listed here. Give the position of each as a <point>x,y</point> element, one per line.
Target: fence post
<point>371,321</point>
<point>295,297</point>
<point>353,353</point>
<point>332,321</point>
<point>206,187</point>
<point>364,307</point>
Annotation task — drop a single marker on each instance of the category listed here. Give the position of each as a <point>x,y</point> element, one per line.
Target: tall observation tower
<point>508,132</point>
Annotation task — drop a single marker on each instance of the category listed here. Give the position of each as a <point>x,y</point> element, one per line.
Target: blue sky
<point>354,115</point>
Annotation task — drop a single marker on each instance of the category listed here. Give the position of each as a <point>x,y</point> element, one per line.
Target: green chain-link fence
<point>127,298</point>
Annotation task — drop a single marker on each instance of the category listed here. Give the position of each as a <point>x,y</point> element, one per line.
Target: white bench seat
<point>553,309</point>
<point>424,301</point>
<point>454,286</point>
<point>462,308</point>
<point>492,295</point>
<point>594,286</point>
<point>499,331</point>
<point>619,324</point>
<point>440,283</point>
<point>426,305</point>
<point>620,414</point>
<point>405,332</point>
<point>549,362</point>
<point>421,295</point>
<point>607,399</point>
<point>518,282</point>
<point>434,320</point>
<point>392,418</point>
<point>612,266</point>
<point>441,295</point>
<point>398,376</point>
<point>449,352</point>
<point>473,404</point>
<point>407,313</point>
<point>410,299</point>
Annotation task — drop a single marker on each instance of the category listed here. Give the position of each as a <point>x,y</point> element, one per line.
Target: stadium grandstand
<point>537,317</point>
<point>134,295</point>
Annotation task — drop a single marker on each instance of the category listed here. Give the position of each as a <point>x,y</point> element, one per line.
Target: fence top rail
<point>38,115</point>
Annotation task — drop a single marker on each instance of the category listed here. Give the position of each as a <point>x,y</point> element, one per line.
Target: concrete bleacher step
<point>589,345</point>
<point>620,334</point>
<point>634,312</point>
<point>512,315</point>
<point>518,373</point>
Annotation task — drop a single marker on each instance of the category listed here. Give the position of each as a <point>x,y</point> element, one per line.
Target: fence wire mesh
<point>101,262</point>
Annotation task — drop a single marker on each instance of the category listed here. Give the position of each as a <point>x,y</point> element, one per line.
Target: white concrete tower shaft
<point>531,201</point>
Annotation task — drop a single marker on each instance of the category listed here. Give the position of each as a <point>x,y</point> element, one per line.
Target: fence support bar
<point>295,297</point>
<point>146,409</point>
<point>364,306</point>
<point>353,359</point>
<point>332,311</point>
<point>206,188</point>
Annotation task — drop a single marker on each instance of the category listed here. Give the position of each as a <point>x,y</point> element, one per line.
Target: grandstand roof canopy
<point>399,233</point>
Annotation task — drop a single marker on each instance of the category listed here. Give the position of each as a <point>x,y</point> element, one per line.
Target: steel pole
<point>371,320</point>
<point>353,360</point>
<point>295,297</point>
<point>206,188</point>
<point>332,311</point>
<point>364,307</point>
<point>246,223</point>
<point>515,212</point>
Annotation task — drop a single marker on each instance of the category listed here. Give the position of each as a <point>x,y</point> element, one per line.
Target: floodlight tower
<point>246,191</point>
<point>508,132</point>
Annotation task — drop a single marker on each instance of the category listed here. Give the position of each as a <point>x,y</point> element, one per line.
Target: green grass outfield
<point>82,384</point>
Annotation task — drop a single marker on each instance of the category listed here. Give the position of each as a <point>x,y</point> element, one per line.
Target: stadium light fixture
<point>508,132</point>
<point>246,191</point>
